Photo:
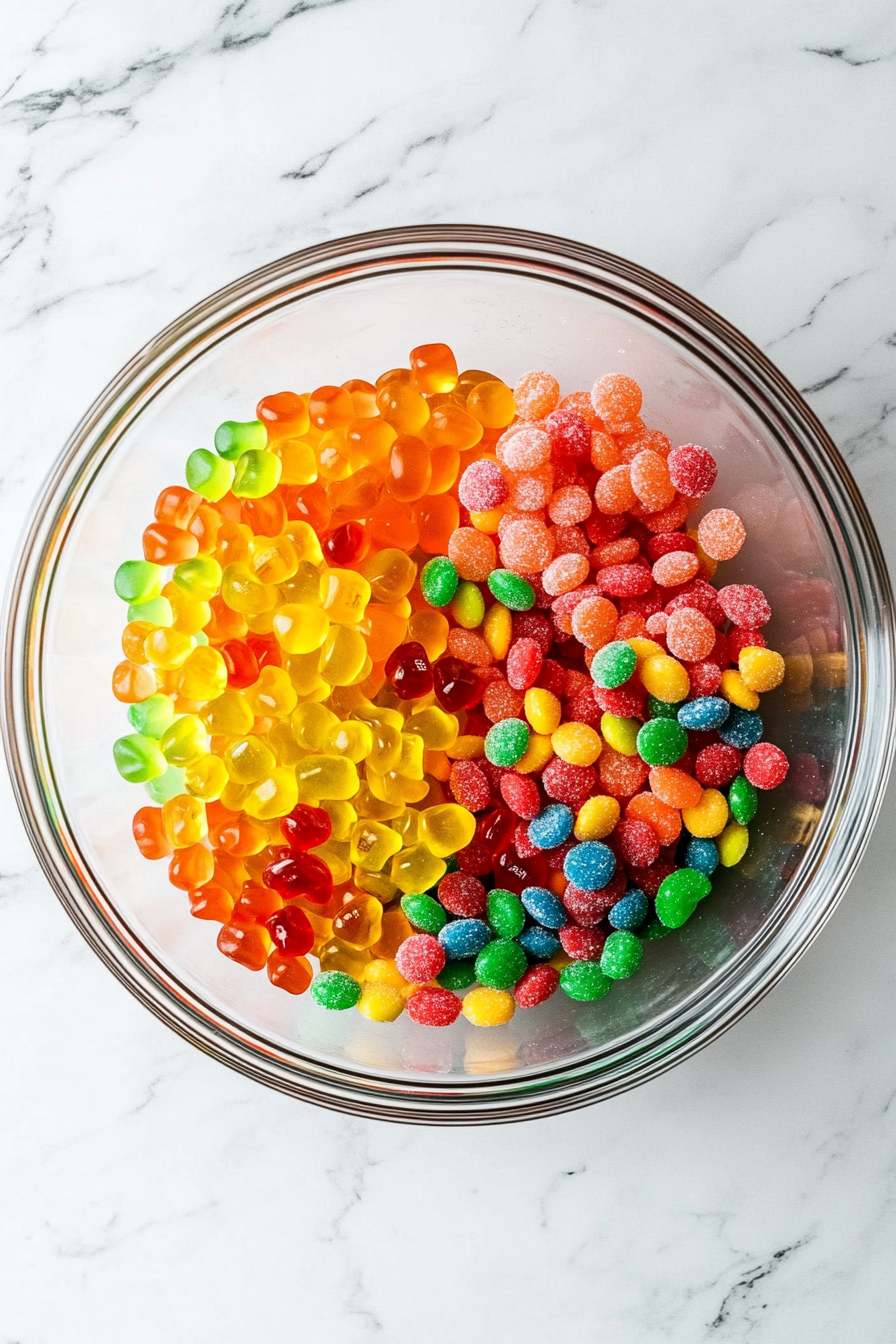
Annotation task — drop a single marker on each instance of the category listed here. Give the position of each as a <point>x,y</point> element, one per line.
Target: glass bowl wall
<point>506,301</point>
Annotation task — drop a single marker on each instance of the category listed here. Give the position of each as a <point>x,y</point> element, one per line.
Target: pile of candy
<point>429,681</point>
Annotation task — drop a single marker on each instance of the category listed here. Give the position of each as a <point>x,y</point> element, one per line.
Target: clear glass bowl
<point>506,301</point>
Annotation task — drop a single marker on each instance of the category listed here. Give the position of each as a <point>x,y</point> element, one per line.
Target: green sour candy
<point>584,980</point>
<point>622,955</point>
<point>138,580</point>
<point>152,716</point>
<point>257,474</point>
<point>438,581</point>
<point>424,913</point>
<point>235,437</point>
<point>458,974</point>
<point>679,895</point>
<point>613,665</point>
<point>335,990</point>
<point>157,611</point>
<point>138,758</point>
<point>743,800</point>
<point>661,709</point>
<point>166,786</point>
<point>511,589</point>
<point>505,913</point>
<point>200,577</point>
<point>506,742</point>
<point>662,742</point>
<point>500,964</point>
<point>208,475</point>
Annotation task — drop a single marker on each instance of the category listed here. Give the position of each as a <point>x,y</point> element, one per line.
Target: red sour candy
<point>743,639</point>
<point>409,671</point>
<point>663,543</point>
<point>717,764</point>
<point>306,827</point>
<point>291,931</point>
<point>533,625</point>
<point>521,794</point>
<point>469,786</point>
<point>524,661</point>
<point>765,765</point>
<point>433,1006</point>
<point>582,944</point>
<point>463,895</point>
<point>570,435</point>
<point>420,958</point>
<point>745,605</point>
<point>692,470</point>
<point>570,784</point>
<point>482,487</point>
<point>636,843</point>
<point>536,986</point>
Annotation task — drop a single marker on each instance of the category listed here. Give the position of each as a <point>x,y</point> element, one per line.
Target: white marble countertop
<point>151,153</point>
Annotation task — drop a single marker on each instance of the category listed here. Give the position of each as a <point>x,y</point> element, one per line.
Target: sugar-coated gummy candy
<point>501,963</point>
<point>464,938</point>
<point>521,794</point>
<point>622,955</point>
<point>589,865</point>
<point>469,785</point>
<point>704,714</point>
<point>762,669</point>
<point>544,907</point>
<point>536,986</point>
<point>513,591</point>
<point>506,913</point>
<point>716,765</point>
<point>539,942</point>
<point>630,912</point>
<point>616,398</point>
<point>420,958</point>
<point>745,605</point>
<point>679,895</point>
<point>636,842</point>
<point>506,742</point>
<point>536,395</point>
<point>733,844</point>
<point>438,581</point>
<point>692,470</point>
<point>709,817</point>
<point>721,534</point>
<point>742,729</point>
<point>524,660</point>
<point>689,634</point>
<point>743,800</point>
<point>702,855</point>
<point>425,913</point>
<point>585,981</point>
<point>662,741</point>
<point>433,1006</point>
<point>613,665</point>
<point>552,826</point>
<point>485,1007</point>
<point>335,990</point>
<point>482,486</point>
<point>457,974</point>
<point>566,783</point>
<point>463,895</point>
<point>765,765</point>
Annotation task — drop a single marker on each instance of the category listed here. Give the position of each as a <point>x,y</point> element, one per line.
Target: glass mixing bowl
<point>506,301</point>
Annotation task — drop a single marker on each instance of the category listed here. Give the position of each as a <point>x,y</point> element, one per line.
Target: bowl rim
<point>771,952</point>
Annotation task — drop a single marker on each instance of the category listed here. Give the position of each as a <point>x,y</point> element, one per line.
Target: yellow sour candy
<point>709,817</point>
<point>761,669</point>
<point>597,817</point>
<point>542,709</point>
<point>733,843</point>
<point>485,1007</point>
<point>665,678</point>
<point>620,734</point>
<point>576,743</point>
<point>734,688</point>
